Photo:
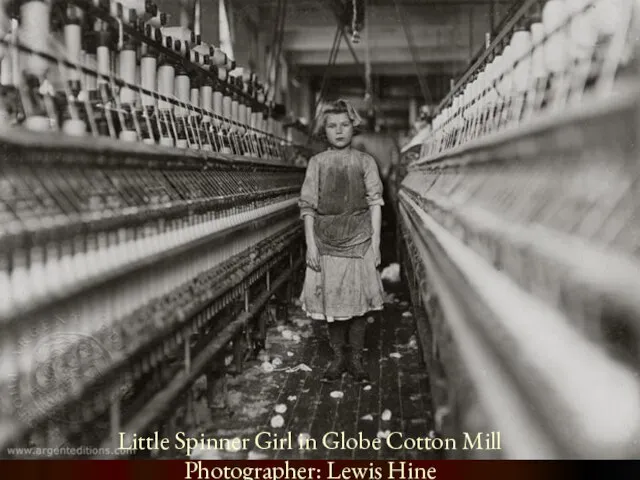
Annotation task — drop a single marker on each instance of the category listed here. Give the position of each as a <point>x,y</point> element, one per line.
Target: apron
<point>343,222</point>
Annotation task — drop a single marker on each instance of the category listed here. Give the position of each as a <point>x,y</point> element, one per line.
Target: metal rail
<point>116,258</point>
<point>503,34</point>
<point>158,406</point>
<point>541,403</point>
<point>148,347</point>
<point>135,224</point>
<point>520,229</point>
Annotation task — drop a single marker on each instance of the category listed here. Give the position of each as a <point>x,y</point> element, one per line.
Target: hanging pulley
<point>357,19</point>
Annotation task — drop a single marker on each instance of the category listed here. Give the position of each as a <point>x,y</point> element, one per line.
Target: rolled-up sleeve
<point>308,201</point>
<point>372,182</point>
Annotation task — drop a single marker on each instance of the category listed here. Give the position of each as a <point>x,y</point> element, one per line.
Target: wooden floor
<point>249,403</point>
<point>291,400</point>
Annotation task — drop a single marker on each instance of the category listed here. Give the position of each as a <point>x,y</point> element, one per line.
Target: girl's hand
<point>313,257</point>
<point>375,244</point>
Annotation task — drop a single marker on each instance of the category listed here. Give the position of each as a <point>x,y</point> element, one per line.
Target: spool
<point>127,61</point>
<point>139,6</point>
<point>5,28</point>
<point>37,123</point>
<point>181,38</point>
<point>34,34</point>
<point>247,78</point>
<point>554,14</point>
<point>538,67</point>
<point>479,90</point>
<point>222,75</point>
<point>103,55</point>
<point>178,33</point>
<point>218,109</point>
<point>226,107</point>
<point>128,136</point>
<point>494,73</point>
<point>203,49</point>
<point>262,121</point>
<point>73,44</point>
<point>236,74</point>
<point>182,91</point>
<point>166,84</point>
<point>206,100</point>
<point>155,22</point>
<point>242,114</point>
<point>6,71</point>
<point>148,68</point>
<point>505,70</point>
<point>234,112</point>
<point>194,99</point>
<point>255,119</point>
<point>74,127</point>
<point>219,58</point>
<point>270,129</point>
<point>91,82</point>
<point>249,115</point>
<point>610,15</point>
<point>521,45</point>
<point>166,141</point>
<point>457,117</point>
<point>467,112</point>
<point>583,30</point>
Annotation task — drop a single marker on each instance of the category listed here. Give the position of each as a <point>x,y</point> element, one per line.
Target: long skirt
<point>344,288</point>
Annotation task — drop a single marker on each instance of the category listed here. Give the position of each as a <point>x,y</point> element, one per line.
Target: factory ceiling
<point>435,37</point>
<point>401,39</point>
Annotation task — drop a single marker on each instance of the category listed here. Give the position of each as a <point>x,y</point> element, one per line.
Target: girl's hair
<point>337,107</point>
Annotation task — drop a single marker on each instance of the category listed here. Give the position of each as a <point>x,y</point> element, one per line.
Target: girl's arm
<point>313,256</point>
<point>308,204</point>
<point>373,185</point>
<point>376,221</point>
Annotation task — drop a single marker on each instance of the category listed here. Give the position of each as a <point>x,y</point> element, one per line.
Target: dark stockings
<point>357,327</point>
<point>337,336</point>
<point>339,332</point>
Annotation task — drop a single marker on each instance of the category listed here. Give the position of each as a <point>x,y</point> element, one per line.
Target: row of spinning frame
<point>147,215</point>
<point>520,221</point>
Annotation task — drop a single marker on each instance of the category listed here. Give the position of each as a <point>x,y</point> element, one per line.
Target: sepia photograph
<point>380,235</point>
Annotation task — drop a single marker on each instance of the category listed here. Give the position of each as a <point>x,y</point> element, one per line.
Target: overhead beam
<point>388,69</point>
<point>395,89</point>
<point>443,3</point>
<point>301,13</point>
<point>381,16</point>
<point>390,105</point>
<point>382,55</point>
<point>422,3</point>
<point>317,38</point>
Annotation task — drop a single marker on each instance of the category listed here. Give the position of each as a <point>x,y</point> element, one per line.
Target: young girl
<point>340,204</point>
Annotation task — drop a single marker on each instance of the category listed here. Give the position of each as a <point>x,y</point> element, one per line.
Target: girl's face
<point>339,129</point>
